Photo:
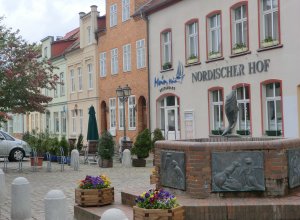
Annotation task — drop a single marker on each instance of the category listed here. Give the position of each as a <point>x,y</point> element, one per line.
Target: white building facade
<point>199,51</point>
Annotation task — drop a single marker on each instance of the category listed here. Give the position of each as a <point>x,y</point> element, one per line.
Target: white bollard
<point>20,199</point>
<point>113,214</point>
<point>55,205</point>
<point>75,159</point>
<point>126,158</point>
<point>2,186</point>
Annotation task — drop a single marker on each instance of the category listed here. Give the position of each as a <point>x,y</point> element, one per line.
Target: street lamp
<point>123,94</point>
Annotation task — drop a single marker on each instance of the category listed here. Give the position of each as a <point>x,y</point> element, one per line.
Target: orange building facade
<point>122,53</point>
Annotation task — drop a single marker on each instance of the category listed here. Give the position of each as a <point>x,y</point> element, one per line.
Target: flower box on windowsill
<point>193,60</point>
<point>239,50</point>
<point>270,43</point>
<point>214,55</point>
<point>170,214</point>
<point>273,132</point>
<point>217,132</point>
<point>243,132</point>
<point>167,66</point>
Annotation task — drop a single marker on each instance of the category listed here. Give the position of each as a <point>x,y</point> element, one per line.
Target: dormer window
<point>89,33</point>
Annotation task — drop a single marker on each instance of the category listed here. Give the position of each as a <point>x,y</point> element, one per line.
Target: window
<point>73,121</point>
<point>103,64</point>
<point>121,113</point>
<point>243,100</point>
<point>140,54</point>
<point>79,79</point>
<point>269,23</point>
<point>48,124</point>
<point>89,33</point>
<point>72,81</point>
<point>56,122</point>
<point>189,124</point>
<point>114,61</point>
<point>63,122</point>
<point>192,42</point>
<point>90,75</point>
<point>131,113</point>
<point>113,15</point>
<point>62,84</point>
<point>273,108</point>
<point>112,113</point>
<point>126,58</point>
<point>45,52</point>
<point>55,92</point>
<point>125,10</point>
<point>81,120</point>
<point>239,29</point>
<point>36,116</point>
<point>166,50</point>
<point>216,111</point>
<point>214,36</point>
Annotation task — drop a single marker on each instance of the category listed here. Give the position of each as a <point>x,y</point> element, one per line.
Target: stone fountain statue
<point>231,111</point>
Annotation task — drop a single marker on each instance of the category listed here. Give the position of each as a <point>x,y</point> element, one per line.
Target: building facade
<point>122,60</point>
<point>199,57</point>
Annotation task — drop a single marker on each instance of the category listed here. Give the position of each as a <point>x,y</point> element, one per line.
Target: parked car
<point>13,148</point>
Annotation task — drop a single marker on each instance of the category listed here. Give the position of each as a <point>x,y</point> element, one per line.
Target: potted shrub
<point>214,54</point>
<point>157,204</point>
<point>157,136</point>
<point>106,149</point>
<point>269,42</point>
<point>141,148</point>
<point>167,65</point>
<point>94,191</point>
<point>35,140</point>
<point>53,148</point>
<point>239,48</point>
<point>192,59</point>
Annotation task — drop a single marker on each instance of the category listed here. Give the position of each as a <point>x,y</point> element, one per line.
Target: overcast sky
<point>37,19</point>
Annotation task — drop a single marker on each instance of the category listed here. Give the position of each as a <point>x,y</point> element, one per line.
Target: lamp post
<point>123,94</point>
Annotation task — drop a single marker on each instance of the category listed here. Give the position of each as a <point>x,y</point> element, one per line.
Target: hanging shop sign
<point>164,83</point>
<point>232,71</point>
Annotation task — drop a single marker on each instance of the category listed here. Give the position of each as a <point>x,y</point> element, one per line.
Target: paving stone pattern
<point>43,181</point>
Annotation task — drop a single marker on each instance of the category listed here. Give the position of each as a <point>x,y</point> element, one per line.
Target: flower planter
<point>214,56</point>
<point>158,214</point>
<point>273,132</point>
<point>138,162</point>
<point>270,43</point>
<point>243,132</point>
<point>106,163</point>
<point>94,197</point>
<point>190,61</point>
<point>39,161</point>
<point>217,132</point>
<point>239,50</point>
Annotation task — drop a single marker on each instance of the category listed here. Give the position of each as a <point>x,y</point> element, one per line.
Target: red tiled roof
<point>71,34</point>
<point>153,6</point>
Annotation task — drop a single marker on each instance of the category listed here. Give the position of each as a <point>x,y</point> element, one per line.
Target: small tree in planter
<point>157,136</point>
<point>141,148</point>
<point>106,149</point>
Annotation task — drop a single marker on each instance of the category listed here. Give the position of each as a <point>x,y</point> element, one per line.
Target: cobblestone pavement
<point>43,181</point>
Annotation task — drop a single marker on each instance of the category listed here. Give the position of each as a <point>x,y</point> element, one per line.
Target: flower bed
<point>94,191</point>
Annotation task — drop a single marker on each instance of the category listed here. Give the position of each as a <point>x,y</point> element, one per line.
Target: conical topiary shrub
<point>106,149</point>
<point>142,144</point>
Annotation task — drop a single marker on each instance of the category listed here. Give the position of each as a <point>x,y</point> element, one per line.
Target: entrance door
<point>171,128</point>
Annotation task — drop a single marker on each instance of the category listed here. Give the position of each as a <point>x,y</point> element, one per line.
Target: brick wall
<point>198,163</point>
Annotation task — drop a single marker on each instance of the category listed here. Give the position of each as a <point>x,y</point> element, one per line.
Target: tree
<point>23,75</point>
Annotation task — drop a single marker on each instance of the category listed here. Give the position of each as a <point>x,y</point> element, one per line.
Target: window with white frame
<point>72,81</point>
<point>63,122</point>
<point>103,64</point>
<point>81,120</point>
<point>114,61</point>
<point>140,54</point>
<point>55,92</point>
<point>239,28</point>
<point>126,58</point>
<point>192,41</point>
<point>214,36</point>
<point>121,113</point>
<point>189,124</point>
<point>166,50</point>
<point>89,35</point>
<point>131,113</point>
<point>56,122</point>
<point>48,124</point>
<point>73,114</point>
<point>79,78</point>
<point>32,122</point>
<point>216,112</point>
<point>112,113</point>
<point>243,100</point>
<point>113,15</point>
<point>62,84</point>
<point>273,110</point>
<point>125,10</point>
<point>90,75</point>
<point>269,22</point>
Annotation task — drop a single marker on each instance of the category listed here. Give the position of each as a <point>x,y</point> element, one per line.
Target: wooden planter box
<point>158,214</point>
<point>138,162</point>
<point>94,197</point>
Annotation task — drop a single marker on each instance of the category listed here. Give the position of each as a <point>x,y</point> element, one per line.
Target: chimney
<point>94,23</point>
<point>81,14</point>
<point>81,37</point>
